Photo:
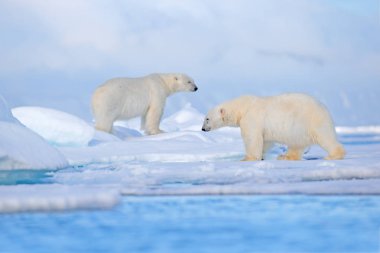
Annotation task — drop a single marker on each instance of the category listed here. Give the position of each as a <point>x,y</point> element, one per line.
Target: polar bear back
<point>293,118</point>
<point>128,97</point>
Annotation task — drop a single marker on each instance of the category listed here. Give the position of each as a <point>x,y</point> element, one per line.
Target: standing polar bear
<point>126,98</point>
<point>296,120</point>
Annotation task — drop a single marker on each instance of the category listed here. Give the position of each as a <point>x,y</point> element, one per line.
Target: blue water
<point>203,224</point>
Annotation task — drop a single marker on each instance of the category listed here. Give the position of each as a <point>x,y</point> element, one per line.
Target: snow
<point>190,162</point>
<point>184,161</point>
<point>188,119</point>
<point>55,198</point>
<point>5,113</point>
<point>20,148</point>
<point>359,130</point>
<point>56,127</point>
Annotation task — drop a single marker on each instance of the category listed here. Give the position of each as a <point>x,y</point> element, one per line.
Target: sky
<point>55,53</point>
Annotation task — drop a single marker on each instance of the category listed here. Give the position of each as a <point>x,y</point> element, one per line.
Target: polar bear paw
<point>289,157</point>
<point>248,158</point>
<point>154,132</point>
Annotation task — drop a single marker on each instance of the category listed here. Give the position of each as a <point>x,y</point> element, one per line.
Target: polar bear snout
<point>189,86</point>
<point>206,126</point>
<point>206,129</point>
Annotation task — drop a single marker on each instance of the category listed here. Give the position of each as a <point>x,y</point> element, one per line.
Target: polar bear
<point>126,98</point>
<point>296,120</point>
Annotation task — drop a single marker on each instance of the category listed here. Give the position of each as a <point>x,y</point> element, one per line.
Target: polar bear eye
<point>189,82</point>
<point>176,78</point>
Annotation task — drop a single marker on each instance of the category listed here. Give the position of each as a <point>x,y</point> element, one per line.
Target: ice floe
<point>52,197</point>
<point>187,161</point>
<point>56,127</point>
<point>21,148</point>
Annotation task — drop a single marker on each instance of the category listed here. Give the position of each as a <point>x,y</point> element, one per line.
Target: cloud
<point>302,59</point>
<point>236,47</point>
<point>144,36</point>
<point>58,34</point>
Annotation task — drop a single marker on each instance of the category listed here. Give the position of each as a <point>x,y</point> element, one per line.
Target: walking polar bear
<point>296,120</point>
<point>126,98</point>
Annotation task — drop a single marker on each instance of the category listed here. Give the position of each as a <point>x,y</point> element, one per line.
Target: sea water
<point>252,223</point>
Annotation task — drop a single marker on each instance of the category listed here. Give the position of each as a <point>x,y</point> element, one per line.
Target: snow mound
<point>187,119</point>
<point>23,198</point>
<point>56,127</point>
<point>20,148</point>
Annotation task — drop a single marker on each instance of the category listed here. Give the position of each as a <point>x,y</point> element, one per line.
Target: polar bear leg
<point>152,120</point>
<point>334,149</point>
<point>292,154</point>
<point>104,119</point>
<point>254,144</point>
<point>254,151</point>
<point>104,124</point>
<point>327,140</point>
<point>337,153</point>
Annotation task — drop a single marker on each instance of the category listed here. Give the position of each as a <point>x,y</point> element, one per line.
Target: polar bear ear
<point>222,112</point>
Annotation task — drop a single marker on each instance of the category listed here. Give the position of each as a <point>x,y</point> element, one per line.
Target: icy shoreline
<point>99,168</point>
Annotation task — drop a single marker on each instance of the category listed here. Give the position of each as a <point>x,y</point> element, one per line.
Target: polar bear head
<point>215,118</point>
<point>227,114</point>
<point>179,82</point>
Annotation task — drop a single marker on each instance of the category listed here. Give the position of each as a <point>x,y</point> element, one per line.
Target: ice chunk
<point>20,148</point>
<point>57,127</point>
<point>22,198</point>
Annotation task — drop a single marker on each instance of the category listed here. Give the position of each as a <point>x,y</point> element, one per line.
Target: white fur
<point>126,98</point>
<point>296,120</point>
